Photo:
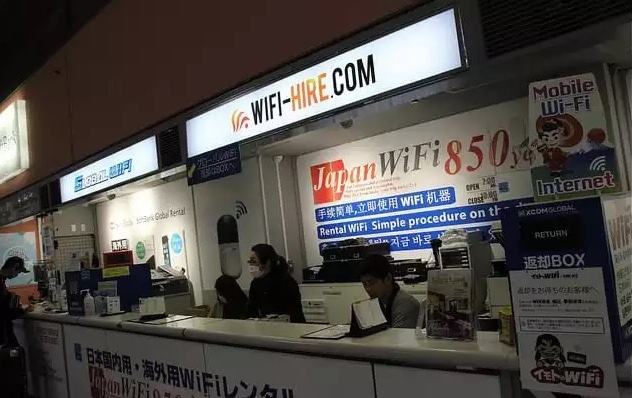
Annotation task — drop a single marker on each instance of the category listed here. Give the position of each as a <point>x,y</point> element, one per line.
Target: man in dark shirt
<point>9,302</point>
<point>400,309</point>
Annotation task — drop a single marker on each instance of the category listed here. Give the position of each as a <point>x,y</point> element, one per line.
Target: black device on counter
<point>409,271</point>
<point>342,261</point>
<point>40,275</point>
<point>435,244</point>
<point>165,283</point>
<point>354,250</point>
<point>499,268</point>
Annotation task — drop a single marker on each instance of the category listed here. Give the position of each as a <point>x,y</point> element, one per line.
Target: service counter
<point>198,357</point>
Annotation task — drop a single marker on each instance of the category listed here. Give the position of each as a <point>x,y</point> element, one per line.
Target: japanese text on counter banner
<point>158,375</point>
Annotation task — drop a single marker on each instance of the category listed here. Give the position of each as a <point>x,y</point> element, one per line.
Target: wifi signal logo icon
<point>598,164</point>
<point>239,120</point>
<point>240,209</point>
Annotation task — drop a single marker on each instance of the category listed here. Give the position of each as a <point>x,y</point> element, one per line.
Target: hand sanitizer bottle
<point>88,304</point>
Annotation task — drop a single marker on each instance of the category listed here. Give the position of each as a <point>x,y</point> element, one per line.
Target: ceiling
<point>31,31</point>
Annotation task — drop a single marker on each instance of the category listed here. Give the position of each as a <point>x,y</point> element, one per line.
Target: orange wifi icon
<point>239,120</point>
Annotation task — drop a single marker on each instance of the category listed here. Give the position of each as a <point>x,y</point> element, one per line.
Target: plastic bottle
<point>420,330</point>
<point>89,308</point>
<point>99,303</point>
<point>63,302</point>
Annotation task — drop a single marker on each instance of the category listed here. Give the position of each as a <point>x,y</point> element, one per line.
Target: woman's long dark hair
<point>228,288</point>
<point>267,253</point>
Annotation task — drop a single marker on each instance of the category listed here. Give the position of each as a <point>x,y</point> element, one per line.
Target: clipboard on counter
<point>335,332</point>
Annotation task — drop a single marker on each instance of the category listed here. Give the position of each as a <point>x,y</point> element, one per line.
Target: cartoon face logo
<point>551,133</point>
<point>549,352</point>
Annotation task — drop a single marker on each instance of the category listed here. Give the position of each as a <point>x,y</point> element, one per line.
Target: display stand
<point>356,330</point>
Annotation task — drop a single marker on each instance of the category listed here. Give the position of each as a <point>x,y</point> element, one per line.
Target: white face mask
<point>255,271</point>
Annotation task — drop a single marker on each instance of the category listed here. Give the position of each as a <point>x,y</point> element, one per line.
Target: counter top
<point>398,346</point>
<point>393,345</point>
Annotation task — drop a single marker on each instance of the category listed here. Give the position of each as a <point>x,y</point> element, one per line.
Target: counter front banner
<point>115,364</point>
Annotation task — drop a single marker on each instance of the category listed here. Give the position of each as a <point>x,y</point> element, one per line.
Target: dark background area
<point>33,30</point>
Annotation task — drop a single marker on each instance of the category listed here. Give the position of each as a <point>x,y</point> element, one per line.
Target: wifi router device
<point>228,242</point>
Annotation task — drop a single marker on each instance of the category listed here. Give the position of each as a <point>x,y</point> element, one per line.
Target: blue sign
<point>390,204</point>
<point>176,243</point>
<point>561,271</point>
<point>213,165</point>
<point>431,219</point>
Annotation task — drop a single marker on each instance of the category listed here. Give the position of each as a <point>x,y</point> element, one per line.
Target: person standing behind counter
<point>400,309</point>
<point>273,290</point>
<point>10,306</point>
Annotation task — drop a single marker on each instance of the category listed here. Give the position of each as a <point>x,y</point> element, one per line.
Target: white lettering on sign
<point>560,233</point>
<point>565,208</point>
<point>554,261</point>
<point>382,65</point>
<point>127,164</point>
<point>559,186</point>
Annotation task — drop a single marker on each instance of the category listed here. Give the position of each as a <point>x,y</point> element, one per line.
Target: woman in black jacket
<point>231,299</point>
<point>273,290</point>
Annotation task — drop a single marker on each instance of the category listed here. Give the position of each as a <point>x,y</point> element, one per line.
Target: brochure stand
<point>356,329</point>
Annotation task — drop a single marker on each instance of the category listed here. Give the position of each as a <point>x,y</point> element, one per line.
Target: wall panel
<point>141,61</point>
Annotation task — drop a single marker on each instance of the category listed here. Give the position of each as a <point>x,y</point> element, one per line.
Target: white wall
<point>165,210</point>
<point>288,190</point>
<point>74,220</point>
<point>217,198</point>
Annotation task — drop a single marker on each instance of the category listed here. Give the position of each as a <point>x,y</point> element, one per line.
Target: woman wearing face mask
<point>273,290</point>
<point>232,302</point>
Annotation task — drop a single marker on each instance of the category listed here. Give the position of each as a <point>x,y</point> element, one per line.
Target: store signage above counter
<point>418,52</point>
<point>14,146</point>
<point>213,165</point>
<point>127,164</point>
<point>21,205</point>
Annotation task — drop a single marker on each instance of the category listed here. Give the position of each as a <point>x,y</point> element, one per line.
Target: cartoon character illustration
<point>549,352</point>
<point>550,135</point>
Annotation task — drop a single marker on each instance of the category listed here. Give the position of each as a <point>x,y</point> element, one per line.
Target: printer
<point>174,286</point>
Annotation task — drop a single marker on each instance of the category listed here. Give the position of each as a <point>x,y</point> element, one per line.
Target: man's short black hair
<point>376,265</point>
<point>15,262</point>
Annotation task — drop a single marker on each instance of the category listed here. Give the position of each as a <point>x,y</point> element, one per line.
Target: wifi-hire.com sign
<point>213,165</point>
